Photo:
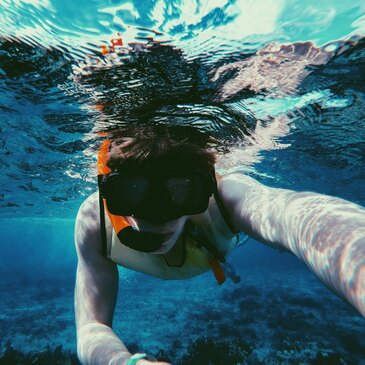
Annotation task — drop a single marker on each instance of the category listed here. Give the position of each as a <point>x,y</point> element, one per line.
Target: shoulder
<point>87,225</point>
<point>235,187</point>
<point>236,178</point>
<point>89,207</point>
<point>235,190</point>
<point>252,205</point>
<point>243,193</point>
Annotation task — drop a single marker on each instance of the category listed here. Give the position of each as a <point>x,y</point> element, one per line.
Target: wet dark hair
<point>160,147</point>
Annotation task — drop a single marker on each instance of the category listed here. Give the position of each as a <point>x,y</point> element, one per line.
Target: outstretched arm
<point>95,294</point>
<point>327,233</point>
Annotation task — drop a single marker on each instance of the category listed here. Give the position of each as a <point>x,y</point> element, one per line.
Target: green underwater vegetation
<point>48,356</point>
<point>202,351</point>
<point>291,322</point>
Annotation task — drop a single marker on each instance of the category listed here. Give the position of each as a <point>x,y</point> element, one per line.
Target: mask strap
<point>222,208</point>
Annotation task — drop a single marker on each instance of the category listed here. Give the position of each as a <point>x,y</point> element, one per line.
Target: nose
<point>160,217</point>
<point>158,208</point>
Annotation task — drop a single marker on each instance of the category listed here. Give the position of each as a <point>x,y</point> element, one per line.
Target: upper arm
<point>255,209</point>
<point>97,276</point>
<point>285,219</point>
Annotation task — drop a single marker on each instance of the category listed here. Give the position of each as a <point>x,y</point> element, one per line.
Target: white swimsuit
<point>188,257</point>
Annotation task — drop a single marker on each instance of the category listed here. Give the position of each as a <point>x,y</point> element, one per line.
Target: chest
<point>189,257</point>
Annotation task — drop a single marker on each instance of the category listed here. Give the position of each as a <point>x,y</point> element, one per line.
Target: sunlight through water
<point>249,76</point>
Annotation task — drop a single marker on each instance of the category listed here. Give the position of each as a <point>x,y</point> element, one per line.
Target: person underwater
<point>162,210</point>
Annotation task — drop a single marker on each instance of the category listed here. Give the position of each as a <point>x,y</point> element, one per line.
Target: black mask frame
<point>157,197</point>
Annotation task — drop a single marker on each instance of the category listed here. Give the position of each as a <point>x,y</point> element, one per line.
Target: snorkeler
<point>162,210</point>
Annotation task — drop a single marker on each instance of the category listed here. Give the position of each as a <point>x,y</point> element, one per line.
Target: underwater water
<point>284,111</point>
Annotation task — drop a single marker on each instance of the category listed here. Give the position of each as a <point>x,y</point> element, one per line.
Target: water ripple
<point>224,67</point>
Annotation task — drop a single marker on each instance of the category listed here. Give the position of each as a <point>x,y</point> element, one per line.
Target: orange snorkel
<point>118,222</point>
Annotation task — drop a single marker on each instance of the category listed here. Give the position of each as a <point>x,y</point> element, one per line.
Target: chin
<point>166,246</point>
<point>162,250</point>
<point>166,227</point>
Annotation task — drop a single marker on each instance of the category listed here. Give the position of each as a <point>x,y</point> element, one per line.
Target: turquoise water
<point>302,133</point>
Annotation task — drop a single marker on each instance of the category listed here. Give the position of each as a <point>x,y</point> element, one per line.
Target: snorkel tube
<point>118,222</point>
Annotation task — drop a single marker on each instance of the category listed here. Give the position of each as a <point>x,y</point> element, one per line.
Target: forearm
<point>328,234</point>
<point>97,344</point>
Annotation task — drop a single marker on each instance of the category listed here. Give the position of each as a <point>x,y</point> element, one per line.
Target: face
<point>159,195</point>
<point>171,231</point>
<point>157,203</point>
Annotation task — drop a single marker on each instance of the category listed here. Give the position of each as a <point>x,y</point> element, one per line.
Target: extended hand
<point>265,71</point>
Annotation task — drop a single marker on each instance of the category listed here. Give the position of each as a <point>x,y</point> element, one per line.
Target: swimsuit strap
<point>223,210</point>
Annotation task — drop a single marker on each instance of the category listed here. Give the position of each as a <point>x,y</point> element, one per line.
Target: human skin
<point>327,233</point>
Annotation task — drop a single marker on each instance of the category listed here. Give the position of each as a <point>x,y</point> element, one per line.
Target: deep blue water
<point>302,135</point>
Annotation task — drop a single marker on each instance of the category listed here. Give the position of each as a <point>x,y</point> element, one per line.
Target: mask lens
<point>181,190</point>
<point>133,189</point>
<point>123,194</point>
<point>189,194</point>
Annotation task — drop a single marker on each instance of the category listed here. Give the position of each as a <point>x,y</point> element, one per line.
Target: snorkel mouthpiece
<point>140,241</point>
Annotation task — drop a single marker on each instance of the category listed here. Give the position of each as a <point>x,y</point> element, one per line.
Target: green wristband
<point>134,358</point>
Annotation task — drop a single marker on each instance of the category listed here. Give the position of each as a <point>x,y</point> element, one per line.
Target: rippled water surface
<point>290,115</point>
